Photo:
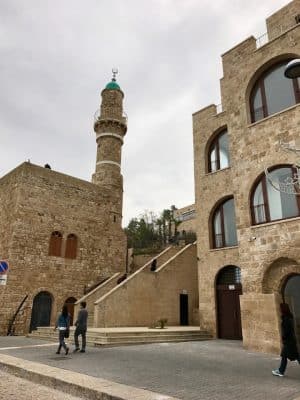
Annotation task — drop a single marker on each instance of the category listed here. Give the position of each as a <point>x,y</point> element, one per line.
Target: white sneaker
<point>276,372</point>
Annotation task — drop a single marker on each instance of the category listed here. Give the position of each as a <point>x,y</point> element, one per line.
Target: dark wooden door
<point>184,309</point>
<point>70,306</point>
<point>41,310</point>
<point>229,312</point>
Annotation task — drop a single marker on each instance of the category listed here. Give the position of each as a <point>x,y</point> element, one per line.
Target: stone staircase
<point>128,336</point>
<point>94,295</point>
<point>99,291</point>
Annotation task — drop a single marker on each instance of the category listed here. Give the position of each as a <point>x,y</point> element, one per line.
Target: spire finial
<point>114,71</point>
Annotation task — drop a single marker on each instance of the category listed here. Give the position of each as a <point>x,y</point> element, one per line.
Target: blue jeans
<point>61,339</point>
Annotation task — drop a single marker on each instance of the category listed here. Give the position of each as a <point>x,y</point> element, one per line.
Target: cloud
<point>57,56</point>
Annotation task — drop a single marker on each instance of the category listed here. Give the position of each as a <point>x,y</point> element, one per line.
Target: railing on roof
<point>219,108</point>
<point>262,40</point>
<point>275,32</point>
<point>98,112</point>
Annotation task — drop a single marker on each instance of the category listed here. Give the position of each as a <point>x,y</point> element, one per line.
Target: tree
<point>150,231</point>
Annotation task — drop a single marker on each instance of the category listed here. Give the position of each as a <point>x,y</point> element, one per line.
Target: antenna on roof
<point>114,71</point>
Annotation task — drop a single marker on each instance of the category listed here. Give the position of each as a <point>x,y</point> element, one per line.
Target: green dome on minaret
<point>113,84</point>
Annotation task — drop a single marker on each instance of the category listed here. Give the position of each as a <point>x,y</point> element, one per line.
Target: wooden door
<point>70,302</point>
<point>229,312</point>
<point>184,309</point>
<point>41,310</point>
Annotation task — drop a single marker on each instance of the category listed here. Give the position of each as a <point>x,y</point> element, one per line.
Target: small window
<point>71,246</point>
<point>269,204</point>
<point>218,154</point>
<point>273,92</point>
<point>55,244</point>
<point>223,225</point>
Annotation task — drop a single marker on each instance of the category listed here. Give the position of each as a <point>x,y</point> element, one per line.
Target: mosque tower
<point>110,127</point>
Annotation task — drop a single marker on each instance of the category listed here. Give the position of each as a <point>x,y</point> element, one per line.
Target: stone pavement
<point>211,370</point>
<point>14,388</point>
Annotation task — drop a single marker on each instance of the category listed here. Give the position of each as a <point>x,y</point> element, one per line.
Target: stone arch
<point>228,288</point>
<point>261,70</point>
<point>276,274</point>
<point>41,309</point>
<point>209,142</point>
<point>70,303</point>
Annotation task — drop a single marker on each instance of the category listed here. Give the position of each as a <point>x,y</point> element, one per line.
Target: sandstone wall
<point>252,147</point>
<point>148,296</point>
<point>48,201</point>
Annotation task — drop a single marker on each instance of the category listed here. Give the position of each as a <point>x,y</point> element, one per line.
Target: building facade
<point>61,235</point>
<point>185,218</point>
<point>248,231</point>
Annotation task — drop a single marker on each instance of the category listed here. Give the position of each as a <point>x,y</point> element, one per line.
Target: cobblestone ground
<point>14,388</point>
<point>210,370</point>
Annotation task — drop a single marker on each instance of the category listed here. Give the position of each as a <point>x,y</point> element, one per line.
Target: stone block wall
<point>260,322</point>
<point>252,147</point>
<point>94,295</point>
<point>148,296</point>
<point>48,201</point>
<point>283,19</point>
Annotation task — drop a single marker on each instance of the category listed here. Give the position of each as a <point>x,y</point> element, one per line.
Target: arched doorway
<point>70,306</point>
<point>291,295</point>
<point>41,310</point>
<point>228,289</point>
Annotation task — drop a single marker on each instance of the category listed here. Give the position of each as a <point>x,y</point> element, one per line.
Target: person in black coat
<point>289,348</point>
<point>153,265</point>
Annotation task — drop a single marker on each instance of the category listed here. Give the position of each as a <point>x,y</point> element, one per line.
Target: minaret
<point>110,128</point>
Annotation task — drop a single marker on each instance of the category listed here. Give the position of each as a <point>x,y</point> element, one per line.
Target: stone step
<point>119,338</point>
<point>156,332</point>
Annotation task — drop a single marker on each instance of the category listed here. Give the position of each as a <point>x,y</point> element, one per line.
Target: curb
<point>74,383</point>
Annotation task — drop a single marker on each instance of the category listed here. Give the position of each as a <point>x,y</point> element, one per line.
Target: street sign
<point>3,280</point>
<point>3,267</point>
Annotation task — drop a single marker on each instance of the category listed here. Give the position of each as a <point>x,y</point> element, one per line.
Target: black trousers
<point>283,364</point>
<point>82,332</point>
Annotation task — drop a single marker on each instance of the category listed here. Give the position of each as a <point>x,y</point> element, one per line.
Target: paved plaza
<point>211,370</point>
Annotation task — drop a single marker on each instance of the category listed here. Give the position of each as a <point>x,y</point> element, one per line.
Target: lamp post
<point>289,185</point>
<point>292,69</point>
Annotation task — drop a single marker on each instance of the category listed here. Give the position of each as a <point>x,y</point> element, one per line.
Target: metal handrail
<point>98,113</point>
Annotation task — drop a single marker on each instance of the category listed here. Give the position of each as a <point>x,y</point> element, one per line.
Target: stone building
<point>248,231</point>
<point>185,219</point>
<point>62,235</point>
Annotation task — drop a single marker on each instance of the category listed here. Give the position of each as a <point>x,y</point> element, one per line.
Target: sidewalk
<point>211,370</point>
<point>12,387</point>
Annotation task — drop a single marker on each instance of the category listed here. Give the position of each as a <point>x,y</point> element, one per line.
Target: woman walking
<point>289,348</point>
<point>63,325</point>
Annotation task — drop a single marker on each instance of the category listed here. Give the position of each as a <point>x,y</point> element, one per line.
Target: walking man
<point>81,326</point>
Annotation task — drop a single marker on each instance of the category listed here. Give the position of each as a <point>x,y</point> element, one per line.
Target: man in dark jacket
<point>289,348</point>
<point>81,326</point>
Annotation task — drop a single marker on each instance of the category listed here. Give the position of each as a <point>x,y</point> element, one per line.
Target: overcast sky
<point>57,56</point>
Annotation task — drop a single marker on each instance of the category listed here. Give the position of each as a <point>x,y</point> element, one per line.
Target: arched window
<point>229,275</point>
<point>218,153</point>
<point>71,246</point>
<point>269,204</point>
<point>223,225</point>
<point>55,244</point>
<point>273,92</point>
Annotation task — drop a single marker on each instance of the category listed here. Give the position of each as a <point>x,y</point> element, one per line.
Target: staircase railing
<point>10,329</point>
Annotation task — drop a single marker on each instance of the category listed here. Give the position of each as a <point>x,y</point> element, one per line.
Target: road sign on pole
<point>3,267</point>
